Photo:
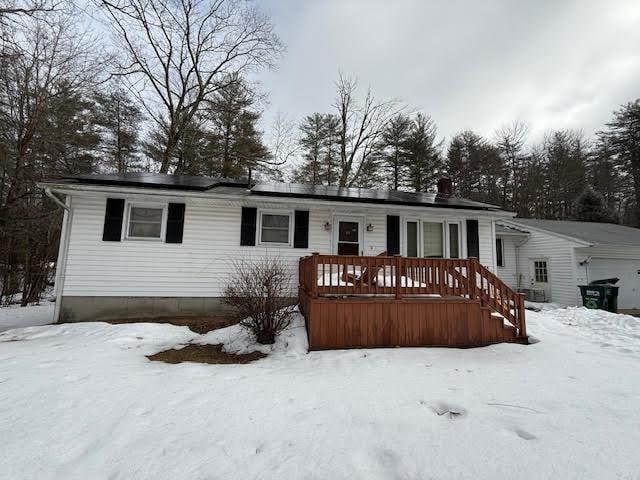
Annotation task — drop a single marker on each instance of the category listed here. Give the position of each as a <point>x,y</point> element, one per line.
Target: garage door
<point>628,271</point>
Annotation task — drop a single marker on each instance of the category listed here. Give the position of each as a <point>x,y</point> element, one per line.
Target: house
<point>144,245</point>
<point>549,258</point>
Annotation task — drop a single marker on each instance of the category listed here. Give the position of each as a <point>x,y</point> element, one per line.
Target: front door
<point>539,271</point>
<point>348,239</point>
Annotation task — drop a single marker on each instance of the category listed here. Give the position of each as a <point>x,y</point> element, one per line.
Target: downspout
<point>63,248</point>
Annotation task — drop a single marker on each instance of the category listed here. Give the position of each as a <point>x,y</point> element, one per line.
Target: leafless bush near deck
<point>260,290</point>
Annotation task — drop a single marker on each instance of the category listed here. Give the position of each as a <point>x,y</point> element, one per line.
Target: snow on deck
<point>82,401</point>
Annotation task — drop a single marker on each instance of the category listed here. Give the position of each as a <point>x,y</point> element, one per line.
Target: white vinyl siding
<point>199,266</point>
<point>508,273</point>
<point>559,253</point>
<point>487,243</point>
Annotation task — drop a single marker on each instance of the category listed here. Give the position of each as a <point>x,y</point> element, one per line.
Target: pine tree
<point>464,158</point>
<point>118,118</point>
<point>591,207</point>
<point>313,132</point>
<point>565,156</point>
<point>423,154</point>
<point>394,149</point>
<point>236,142</point>
<point>623,138</point>
<point>320,150</point>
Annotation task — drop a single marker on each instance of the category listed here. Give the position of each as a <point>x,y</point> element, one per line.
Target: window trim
<point>267,211</point>
<point>127,218</point>
<point>500,253</point>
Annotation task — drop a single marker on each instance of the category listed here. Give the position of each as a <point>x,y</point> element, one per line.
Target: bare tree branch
<point>186,50</point>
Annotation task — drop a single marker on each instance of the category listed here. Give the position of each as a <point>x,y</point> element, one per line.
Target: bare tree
<point>178,53</point>
<point>14,12</point>
<point>44,78</point>
<point>261,291</point>
<point>361,127</point>
<point>510,140</point>
<point>283,144</point>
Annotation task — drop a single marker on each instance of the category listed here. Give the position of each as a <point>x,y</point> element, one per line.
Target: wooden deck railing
<point>327,275</point>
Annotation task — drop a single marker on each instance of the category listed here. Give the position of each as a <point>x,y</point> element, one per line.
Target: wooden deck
<point>406,302</point>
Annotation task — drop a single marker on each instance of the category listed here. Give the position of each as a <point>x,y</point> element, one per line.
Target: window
<point>412,239</point>
<point>433,245</point>
<point>540,270</point>
<point>348,238</point>
<point>454,240</point>
<point>145,222</point>
<point>275,227</point>
<point>499,252</point>
<point>432,239</point>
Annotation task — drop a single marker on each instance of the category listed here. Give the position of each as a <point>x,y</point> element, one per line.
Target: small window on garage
<point>541,272</point>
<point>499,252</point>
<point>275,228</point>
<point>145,221</point>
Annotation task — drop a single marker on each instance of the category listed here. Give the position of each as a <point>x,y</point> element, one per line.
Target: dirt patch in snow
<point>205,354</point>
<point>196,324</point>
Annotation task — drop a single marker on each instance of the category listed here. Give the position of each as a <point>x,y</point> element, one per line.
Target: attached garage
<point>573,253</point>
<point>628,271</point>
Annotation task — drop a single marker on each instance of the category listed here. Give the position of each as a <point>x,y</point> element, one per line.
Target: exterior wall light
<point>369,228</point>
<point>327,226</point>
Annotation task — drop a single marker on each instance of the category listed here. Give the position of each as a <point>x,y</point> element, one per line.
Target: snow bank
<point>82,401</point>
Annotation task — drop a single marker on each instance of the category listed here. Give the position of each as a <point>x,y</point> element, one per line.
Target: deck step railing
<point>339,275</point>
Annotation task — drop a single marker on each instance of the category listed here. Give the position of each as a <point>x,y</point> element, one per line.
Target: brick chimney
<point>445,187</point>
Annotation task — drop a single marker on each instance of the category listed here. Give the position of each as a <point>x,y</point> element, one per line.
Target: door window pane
<point>275,228</point>
<point>348,238</point>
<point>412,239</point>
<point>348,232</point>
<point>432,239</point>
<point>145,222</point>
<point>454,241</point>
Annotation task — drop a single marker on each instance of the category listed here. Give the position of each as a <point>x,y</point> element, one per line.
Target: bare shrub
<point>260,290</point>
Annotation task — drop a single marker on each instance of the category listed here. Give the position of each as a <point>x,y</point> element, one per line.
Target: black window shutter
<point>175,223</point>
<point>113,220</point>
<point>301,229</point>
<point>248,226</point>
<point>393,235</point>
<point>473,239</point>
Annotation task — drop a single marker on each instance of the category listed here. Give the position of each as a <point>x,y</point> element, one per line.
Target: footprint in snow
<point>524,434</point>
<point>449,409</point>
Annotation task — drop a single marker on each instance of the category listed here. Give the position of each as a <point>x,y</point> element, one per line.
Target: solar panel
<point>366,195</point>
<point>293,190</point>
<point>157,180</point>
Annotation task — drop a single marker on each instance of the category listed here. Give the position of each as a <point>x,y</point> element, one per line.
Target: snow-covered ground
<point>15,316</point>
<point>82,401</point>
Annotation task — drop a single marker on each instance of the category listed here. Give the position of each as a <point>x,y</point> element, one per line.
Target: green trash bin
<point>601,294</point>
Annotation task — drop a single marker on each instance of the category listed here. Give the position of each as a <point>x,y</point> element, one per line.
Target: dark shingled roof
<point>591,232</point>
<point>290,190</point>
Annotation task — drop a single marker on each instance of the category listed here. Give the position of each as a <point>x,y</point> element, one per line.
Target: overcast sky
<point>468,64</point>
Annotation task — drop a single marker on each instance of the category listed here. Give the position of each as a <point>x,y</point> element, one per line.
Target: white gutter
<point>63,249</point>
